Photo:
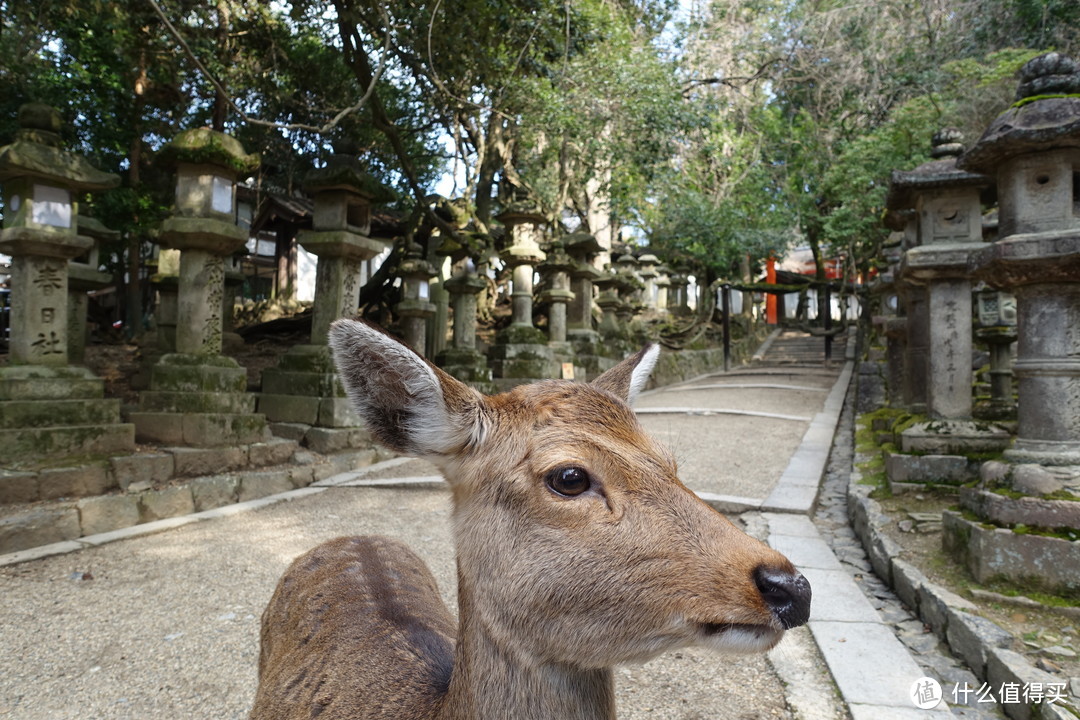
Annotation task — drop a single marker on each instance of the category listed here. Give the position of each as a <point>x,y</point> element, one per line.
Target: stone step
<point>196,402</point>
<point>283,382</point>
<point>67,440</point>
<point>51,388</point>
<point>199,429</point>
<point>197,378</point>
<point>329,412</point>
<point>22,414</point>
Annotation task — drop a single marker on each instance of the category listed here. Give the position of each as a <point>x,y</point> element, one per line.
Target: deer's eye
<point>568,481</point>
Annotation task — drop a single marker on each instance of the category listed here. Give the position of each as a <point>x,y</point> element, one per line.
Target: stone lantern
<point>48,408</point>
<point>582,248</point>
<point>520,351</point>
<point>948,210</point>
<point>648,275</point>
<point>1033,149</point>
<point>888,320</point>
<point>678,299</point>
<point>629,287</point>
<point>610,304</point>
<point>556,272</point>
<point>197,396</point>
<point>304,389</point>
<point>663,288</point>
<point>83,277</point>
<point>462,359</point>
<point>415,306</point>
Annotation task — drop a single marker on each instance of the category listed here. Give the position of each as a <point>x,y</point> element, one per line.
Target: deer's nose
<point>787,593</point>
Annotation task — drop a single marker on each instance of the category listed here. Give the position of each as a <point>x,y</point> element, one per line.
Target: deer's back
<point>355,629</point>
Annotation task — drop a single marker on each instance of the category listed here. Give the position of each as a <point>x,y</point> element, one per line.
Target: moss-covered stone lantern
<point>41,181</point>
<point>520,351</point>
<point>948,208</point>
<point>304,388</point>
<point>48,409</point>
<point>197,396</point>
<point>203,228</point>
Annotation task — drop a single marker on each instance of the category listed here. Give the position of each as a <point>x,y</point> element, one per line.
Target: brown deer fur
<point>553,590</point>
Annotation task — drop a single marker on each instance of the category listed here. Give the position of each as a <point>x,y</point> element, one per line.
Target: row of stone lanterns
<point>197,396</point>
<point>1031,155</point>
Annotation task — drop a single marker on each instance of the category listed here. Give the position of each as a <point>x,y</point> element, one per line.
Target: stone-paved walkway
<point>165,625</point>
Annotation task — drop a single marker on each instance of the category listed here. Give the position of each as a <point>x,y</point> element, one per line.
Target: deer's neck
<point>492,681</point>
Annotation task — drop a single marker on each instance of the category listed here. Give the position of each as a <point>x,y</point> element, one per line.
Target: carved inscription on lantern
<point>215,281</point>
<point>47,344</point>
<point>49,278</point>
<point>953,334</point>
<point>350,285</point>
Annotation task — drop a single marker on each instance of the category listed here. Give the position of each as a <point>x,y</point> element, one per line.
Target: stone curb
<point>982,644</point>
<point>797,489</point>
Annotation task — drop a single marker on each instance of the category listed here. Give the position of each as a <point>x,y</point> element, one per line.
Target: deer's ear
<point>629,377</point>
<point>409,405</point>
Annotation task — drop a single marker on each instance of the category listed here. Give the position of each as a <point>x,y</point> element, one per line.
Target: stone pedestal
<point>303,388</point>
<point>197,396</point>
<point>48,409</point>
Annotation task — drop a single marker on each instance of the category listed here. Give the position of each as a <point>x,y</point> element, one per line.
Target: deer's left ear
<point>408,405</point>
<point>629,377</point>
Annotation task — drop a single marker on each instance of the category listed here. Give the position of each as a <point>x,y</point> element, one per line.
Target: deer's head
<point>576,541</point>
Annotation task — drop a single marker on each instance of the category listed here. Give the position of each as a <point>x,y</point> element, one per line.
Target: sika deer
<point>577,548</point>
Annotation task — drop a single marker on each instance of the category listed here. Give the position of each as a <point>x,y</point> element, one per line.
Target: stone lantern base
<point>469,366</point>
<point>48,412</point>
<point>198,401</point>
<point>954,437</point>
<point>991,553</point>
<point>590,352</point>
<point>305,401</point>
<point>521,353</point>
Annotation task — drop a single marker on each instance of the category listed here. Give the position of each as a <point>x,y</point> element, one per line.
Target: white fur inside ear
<point>640,377</point>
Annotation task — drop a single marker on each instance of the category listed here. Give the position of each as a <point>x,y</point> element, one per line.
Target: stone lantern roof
<point>557,259</point>
<point>1045,116</point>
<point>582,244</point>
<point>344,171</point>
<point>521,211</point>
<point>37,152</point>
<point>941,172</point>
<point>203,146</point>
